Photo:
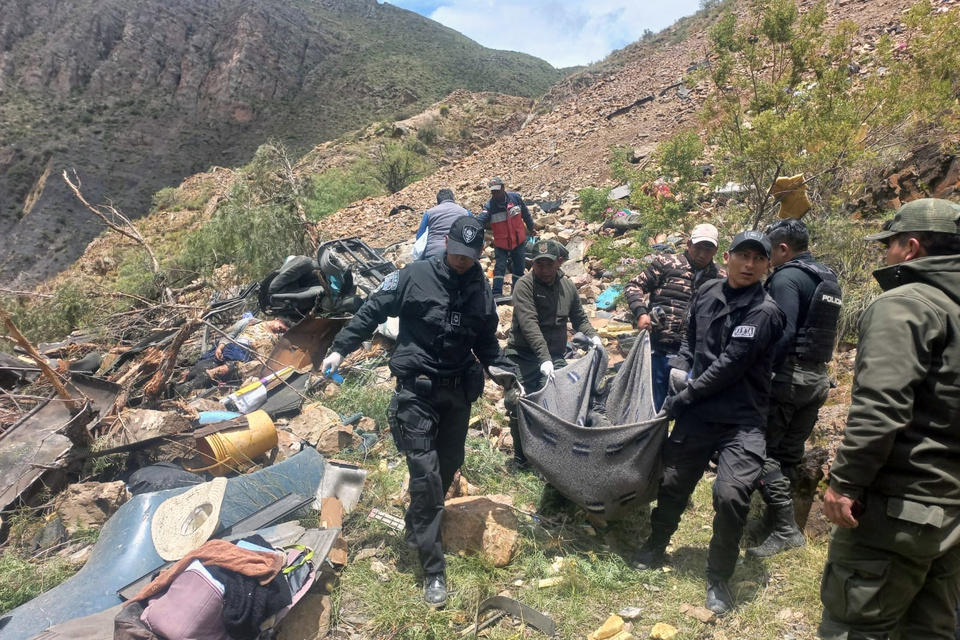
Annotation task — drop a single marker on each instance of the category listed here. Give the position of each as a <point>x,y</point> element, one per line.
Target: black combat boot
<point>719,599</point>
<point>435,590</point>
<point>649,556</point>
<point>784,534</point>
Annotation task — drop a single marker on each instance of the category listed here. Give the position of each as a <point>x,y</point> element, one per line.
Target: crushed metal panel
<point>34,446</point>
<point>304,345</point>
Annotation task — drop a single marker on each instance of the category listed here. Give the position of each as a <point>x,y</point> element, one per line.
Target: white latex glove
<point>597,342</point>
<point>331,363</point>
<point>546,368</point>
<point>679,380</point>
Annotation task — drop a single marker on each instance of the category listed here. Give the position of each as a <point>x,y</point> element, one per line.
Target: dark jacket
<point>728,348</point>
<point>903,431</point>
<point>670,283</point>
<point>540,316</point>
<point>792,288</point>
<point>439,219</point>
<point>445,320</point>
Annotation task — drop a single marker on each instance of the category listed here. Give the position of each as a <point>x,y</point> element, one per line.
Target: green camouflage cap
<point>927,214</point>
<point>549,249</point>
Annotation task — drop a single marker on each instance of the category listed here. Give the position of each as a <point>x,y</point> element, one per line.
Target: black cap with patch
<point>751,240</point>
<point>465,237</point>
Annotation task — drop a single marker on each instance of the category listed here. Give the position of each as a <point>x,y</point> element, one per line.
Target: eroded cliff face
<point>137,94</point>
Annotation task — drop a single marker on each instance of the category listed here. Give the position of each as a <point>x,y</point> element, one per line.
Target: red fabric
<point>262,565</point>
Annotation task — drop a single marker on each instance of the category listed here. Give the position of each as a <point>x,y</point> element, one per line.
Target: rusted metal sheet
<point>36,444</point>
<point>304,345</point>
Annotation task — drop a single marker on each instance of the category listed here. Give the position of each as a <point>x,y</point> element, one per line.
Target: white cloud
<point>564,33</point>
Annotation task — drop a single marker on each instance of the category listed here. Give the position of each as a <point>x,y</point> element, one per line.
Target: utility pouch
<point>474,379</point>
<point>423,386</point>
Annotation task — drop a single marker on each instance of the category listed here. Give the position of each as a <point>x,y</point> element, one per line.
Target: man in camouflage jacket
<point>671,281</point>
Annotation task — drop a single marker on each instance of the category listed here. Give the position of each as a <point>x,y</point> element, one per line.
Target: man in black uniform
<point>721,383</point>
<point>448,320</point>
<point>809,295</point>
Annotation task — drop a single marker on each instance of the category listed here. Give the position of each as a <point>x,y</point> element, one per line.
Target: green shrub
<point>334,189</point>
<point>444,110</point>
<point>428,133</point>
<point>593,203</point>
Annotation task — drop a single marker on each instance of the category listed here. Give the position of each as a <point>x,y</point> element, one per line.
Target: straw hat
<point>184,522</point>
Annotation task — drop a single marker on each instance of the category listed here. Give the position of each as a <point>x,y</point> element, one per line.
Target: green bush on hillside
<point>593,203</point>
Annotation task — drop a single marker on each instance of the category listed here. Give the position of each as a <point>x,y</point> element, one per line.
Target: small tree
<point>786,100</point>
<point>395,165</point>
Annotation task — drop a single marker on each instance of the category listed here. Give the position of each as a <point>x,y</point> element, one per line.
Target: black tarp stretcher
<point>610,463</point>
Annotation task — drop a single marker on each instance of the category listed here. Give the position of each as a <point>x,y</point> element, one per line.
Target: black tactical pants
<point>432,428</point>
<point>528,368</point>
<point>686,453</point>
<point>794,406</point>
<point>897,575</point>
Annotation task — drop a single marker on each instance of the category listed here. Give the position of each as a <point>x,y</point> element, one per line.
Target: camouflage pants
<point>897,575</point>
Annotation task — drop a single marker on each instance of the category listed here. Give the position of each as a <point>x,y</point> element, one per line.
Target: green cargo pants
<point>897,575</point>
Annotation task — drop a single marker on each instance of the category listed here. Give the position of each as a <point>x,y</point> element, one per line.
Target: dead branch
<point>149,363</point>
<point>154,388</point>
<point>108,215</point>
<point>72,404</point>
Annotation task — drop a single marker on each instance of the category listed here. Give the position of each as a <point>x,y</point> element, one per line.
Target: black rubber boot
<point>757,531</point>
<point>649,556</point>
<point>785,533</point>
<point>435,590</point>
<point>719,599</point>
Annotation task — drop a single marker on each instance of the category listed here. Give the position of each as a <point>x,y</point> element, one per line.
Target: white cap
<point>705,233</point>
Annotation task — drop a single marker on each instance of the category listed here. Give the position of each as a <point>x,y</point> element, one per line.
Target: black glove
<point>674,405</point>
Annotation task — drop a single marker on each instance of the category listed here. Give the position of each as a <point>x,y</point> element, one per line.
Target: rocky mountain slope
<point>567,148</point>
<point>138,94</point>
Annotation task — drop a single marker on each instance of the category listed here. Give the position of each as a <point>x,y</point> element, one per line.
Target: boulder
<point>89,504</point>
<point>321,427</point>
<point>482,524</point>
<point>310,618</point>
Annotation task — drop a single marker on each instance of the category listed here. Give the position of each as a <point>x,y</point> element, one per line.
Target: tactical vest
<point>818,335</point>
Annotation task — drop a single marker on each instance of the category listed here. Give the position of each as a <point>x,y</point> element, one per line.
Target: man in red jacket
<point>511,223</point>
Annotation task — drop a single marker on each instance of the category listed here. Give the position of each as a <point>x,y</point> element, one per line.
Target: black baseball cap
<point>465,237</point>
<point>751,240</point>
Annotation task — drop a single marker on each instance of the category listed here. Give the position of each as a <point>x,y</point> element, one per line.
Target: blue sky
<point>562,32</point>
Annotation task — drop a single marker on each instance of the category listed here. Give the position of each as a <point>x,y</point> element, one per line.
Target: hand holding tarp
<point>546,369</point>
<point>679,379</point>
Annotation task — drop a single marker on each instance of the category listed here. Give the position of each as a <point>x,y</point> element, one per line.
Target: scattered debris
<point>702,614</point>
<point>663,631</point>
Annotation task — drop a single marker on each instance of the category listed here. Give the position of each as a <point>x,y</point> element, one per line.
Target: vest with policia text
<point>818,335</point>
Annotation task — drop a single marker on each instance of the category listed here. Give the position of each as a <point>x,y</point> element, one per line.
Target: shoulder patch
<point>744,331</point>
<point>390,282</point>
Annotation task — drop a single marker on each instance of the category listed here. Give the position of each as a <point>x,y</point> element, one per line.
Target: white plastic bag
<point>420,245</point>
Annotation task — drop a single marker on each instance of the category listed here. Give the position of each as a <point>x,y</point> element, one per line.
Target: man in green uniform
<point>894,561</point>
<point>544,301</point>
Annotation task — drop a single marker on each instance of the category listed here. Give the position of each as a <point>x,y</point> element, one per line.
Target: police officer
<point>893,567</point>
<point>448,320</point>
<point>721,384</point>
<point>544,302</point>
<point>809,295</point>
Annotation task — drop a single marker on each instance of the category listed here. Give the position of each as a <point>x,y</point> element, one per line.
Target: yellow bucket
<point>234,450</point>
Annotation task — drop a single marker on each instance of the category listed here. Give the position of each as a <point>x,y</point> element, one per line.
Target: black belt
<point>450,382</point>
